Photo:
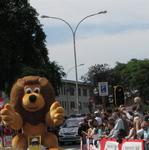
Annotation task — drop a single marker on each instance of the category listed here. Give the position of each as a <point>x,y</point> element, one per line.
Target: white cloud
<point>74,10</point>
<point>104,48</point>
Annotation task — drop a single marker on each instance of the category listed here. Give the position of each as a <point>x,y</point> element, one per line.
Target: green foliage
<point>98,73</point>
<point>23,50</point>
<point>51,71</point>
<point>133,76</point>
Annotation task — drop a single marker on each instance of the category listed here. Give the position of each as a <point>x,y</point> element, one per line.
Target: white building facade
<point>67,97</point>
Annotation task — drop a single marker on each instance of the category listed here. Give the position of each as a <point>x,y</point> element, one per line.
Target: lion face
<point>32,100</point>
<point>31,97</point>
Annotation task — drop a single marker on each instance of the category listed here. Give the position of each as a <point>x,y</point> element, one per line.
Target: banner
<point>109,144</point>
<point>7,141</point>
<point>112,144</point>
<point>132,145</point>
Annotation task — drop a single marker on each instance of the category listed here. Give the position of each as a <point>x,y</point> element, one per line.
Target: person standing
<point>82,132</point>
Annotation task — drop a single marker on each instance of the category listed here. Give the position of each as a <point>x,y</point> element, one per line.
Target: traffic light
<point>118,95</point>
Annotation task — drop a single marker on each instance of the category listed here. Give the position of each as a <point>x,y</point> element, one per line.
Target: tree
<point>51,71</point>
<point>135,76</point>
<point>98,73</point>
<point>22,42</point>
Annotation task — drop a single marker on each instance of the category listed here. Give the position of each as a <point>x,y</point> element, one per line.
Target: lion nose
<point>32,98</point>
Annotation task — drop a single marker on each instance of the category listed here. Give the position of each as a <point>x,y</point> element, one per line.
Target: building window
<point>72,105</point>
<point>79,91</point>
<point>71,90</point>
<point>64,91</point>
<point>84,92</point>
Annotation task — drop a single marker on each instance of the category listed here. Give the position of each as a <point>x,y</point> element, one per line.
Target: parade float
<point>32,109</point>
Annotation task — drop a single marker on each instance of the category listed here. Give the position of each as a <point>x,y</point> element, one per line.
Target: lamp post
<point>74,30</point>
<point>73,68</point>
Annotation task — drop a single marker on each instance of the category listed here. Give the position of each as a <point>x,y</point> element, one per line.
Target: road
<point>68,146</point>
<point>71,147</point>
<point>65,147</point>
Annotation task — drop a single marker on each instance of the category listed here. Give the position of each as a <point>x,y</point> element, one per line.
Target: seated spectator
<point>101,129</point>
<point>143,133</point>
<point>137,122</point>
<point>119,130</point>
<point>113,133</point>
<point>93,132</point>
<point>132,131</point>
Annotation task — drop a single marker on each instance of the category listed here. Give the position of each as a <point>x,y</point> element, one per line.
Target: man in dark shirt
<point>82,132</point>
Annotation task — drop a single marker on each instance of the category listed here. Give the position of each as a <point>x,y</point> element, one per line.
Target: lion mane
<point>17,93</point>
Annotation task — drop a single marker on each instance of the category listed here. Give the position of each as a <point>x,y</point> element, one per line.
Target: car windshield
<point>72,123</point>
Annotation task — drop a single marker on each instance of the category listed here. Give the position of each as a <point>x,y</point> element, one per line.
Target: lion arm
<point>49,121</point>
<point>18,122</point>
<point>53,122</point>
<point>55,116</point>
<point>10,117</point>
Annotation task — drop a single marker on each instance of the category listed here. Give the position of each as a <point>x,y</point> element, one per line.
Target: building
<point>67,97</point>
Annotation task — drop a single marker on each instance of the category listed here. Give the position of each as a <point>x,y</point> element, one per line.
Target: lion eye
<point>28,90</point>
<point>37,90</point>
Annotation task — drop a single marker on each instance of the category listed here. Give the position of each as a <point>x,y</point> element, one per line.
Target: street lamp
<point>74,30</point>
<point>73,68</point>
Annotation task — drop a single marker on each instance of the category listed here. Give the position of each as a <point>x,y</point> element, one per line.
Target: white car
<point>69,130</point>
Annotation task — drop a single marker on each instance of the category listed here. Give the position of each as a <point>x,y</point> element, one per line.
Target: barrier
<point>112,144</point>
<point>90,144</point>
<point>132,145</point>
<point>7,141</point>
<point>109,144</point>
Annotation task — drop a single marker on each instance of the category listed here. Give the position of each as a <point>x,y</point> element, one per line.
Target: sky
<point>119,35</point>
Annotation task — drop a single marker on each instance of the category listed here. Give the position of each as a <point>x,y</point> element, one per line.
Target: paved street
<point>66,147</point>
<point>71,147</point>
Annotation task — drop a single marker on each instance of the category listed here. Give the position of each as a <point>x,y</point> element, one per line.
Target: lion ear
<point>20,82</point>
<point>43,81</point>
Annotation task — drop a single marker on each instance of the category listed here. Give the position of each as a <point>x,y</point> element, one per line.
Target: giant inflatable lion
<point>33,108</point>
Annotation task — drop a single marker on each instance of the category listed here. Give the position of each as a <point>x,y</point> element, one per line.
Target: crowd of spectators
<point>5,130</point>
<point>120,123</point>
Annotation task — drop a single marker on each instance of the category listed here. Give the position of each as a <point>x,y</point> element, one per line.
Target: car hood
<point>69,130</point>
